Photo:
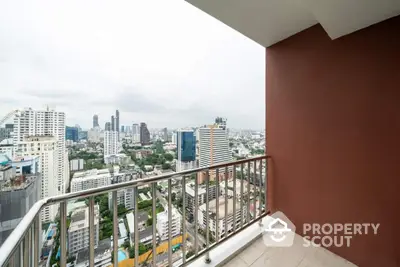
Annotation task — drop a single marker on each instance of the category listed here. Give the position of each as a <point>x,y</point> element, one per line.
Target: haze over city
<point>163,62</point>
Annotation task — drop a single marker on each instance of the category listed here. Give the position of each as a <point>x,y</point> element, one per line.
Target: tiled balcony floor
<point>258,255</point>
<point>248,249</point>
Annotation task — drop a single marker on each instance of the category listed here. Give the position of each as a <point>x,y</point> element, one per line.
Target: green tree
<point>149,222</point>
<point>189,254</point>
<point>168,157</point>
<point>173,197</point>
<point>166,166</point>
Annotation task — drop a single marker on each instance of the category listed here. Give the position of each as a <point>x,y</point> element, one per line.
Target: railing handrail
<point>11,243</point>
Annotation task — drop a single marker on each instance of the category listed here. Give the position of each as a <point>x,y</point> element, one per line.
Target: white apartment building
<point>163,223</point>
<point>94,135</point>
<point>46,147</point>
<point>213,146</point>
<point>135,133</point>
<point>76,164</point>
<point>7,147</point>
<point>221,215</point>
<point>190,203</point>
<point>29,122</point>
<point>125,196</point>
<point>110,143</point>
<point>78,231</point>
<point>90,179</point>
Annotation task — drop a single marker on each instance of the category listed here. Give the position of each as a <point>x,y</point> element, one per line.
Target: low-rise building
<point>202,197</point>
<point>102,255</point>
<point>125,196</point>
<point>78,231</point>
<point>163,223</point>
<point>90,179</point>
<point>143,216</point>
<point>213,206</point>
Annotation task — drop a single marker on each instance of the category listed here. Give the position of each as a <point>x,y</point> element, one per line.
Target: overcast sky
<point>160,61</point>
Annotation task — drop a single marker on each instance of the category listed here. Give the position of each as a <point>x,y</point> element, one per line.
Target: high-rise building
<point>71,133</point>
<point>112,123</point>
<point>125,196</point>
<point>144,134</point>
<point>123,128</point>
<point>95,121</point>
<point>135,133</point>
<point>165,134</point>
<point>19,190</point>
<point>186,148</point>
<point>46,147</point>
<point>5,133</point>
<point>213,147</point>
<point>107,126</point>
<point>117,120</point>
<point>38,123</point>
<point>110,143</point>
<point>7,147</point>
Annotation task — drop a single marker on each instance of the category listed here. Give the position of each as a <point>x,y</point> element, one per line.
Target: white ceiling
<point>270,21</point>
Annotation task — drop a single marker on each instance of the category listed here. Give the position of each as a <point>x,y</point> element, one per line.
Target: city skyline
<point>87,67</point>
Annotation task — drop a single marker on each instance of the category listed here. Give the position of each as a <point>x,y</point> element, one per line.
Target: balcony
<point>230,181</point>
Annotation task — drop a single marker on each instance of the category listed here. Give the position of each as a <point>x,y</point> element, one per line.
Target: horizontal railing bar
<point>10,244</point>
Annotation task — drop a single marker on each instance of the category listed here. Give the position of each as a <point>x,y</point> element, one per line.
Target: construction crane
<point>9,115</point>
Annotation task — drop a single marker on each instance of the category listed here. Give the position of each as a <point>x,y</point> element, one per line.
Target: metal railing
<point>240,210</point>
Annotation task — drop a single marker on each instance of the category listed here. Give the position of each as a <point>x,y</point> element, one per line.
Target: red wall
<point>333,132</point>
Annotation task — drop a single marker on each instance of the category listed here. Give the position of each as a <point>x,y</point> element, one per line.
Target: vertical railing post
<point>154,214</point>
<point>91,231</point>
<point>241,195</point>
<point>226,202</point>
<point>260,176</point>
<point>25,246</point>
<point>169,223</point>
<point>184,218</point>
<point>136,226</point>
<point>255,190</point>
<point>234,197</point>
<point>248,192</point>
<point>217,205</point>
<point>115,226</point>
<point>207,260</point>
<point>266,185</point>
<point>196,218</point>
<point>36,237</point>
<point>63,233</point>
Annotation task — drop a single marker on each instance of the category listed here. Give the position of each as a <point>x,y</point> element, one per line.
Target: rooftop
<point>90,173</point>
<point>79,218</point>
<point>221,207</point>
<point>104,248</point>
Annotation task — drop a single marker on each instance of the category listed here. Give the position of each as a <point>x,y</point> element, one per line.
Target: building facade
<point>78,231</point>
<point>231,216</point>
<point>46,147</point>
<point>163,223</point>
<point>95,121</point>
<point>186,148</point>
<point>90,179</point>
<point>125,196</point>
<point>110,143</point>
<point>190,198</point>
<point>144,134</point>
<point>38,123</point>
<point>135,133</point>
<point>18,192</point>
<point>71,133</point>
